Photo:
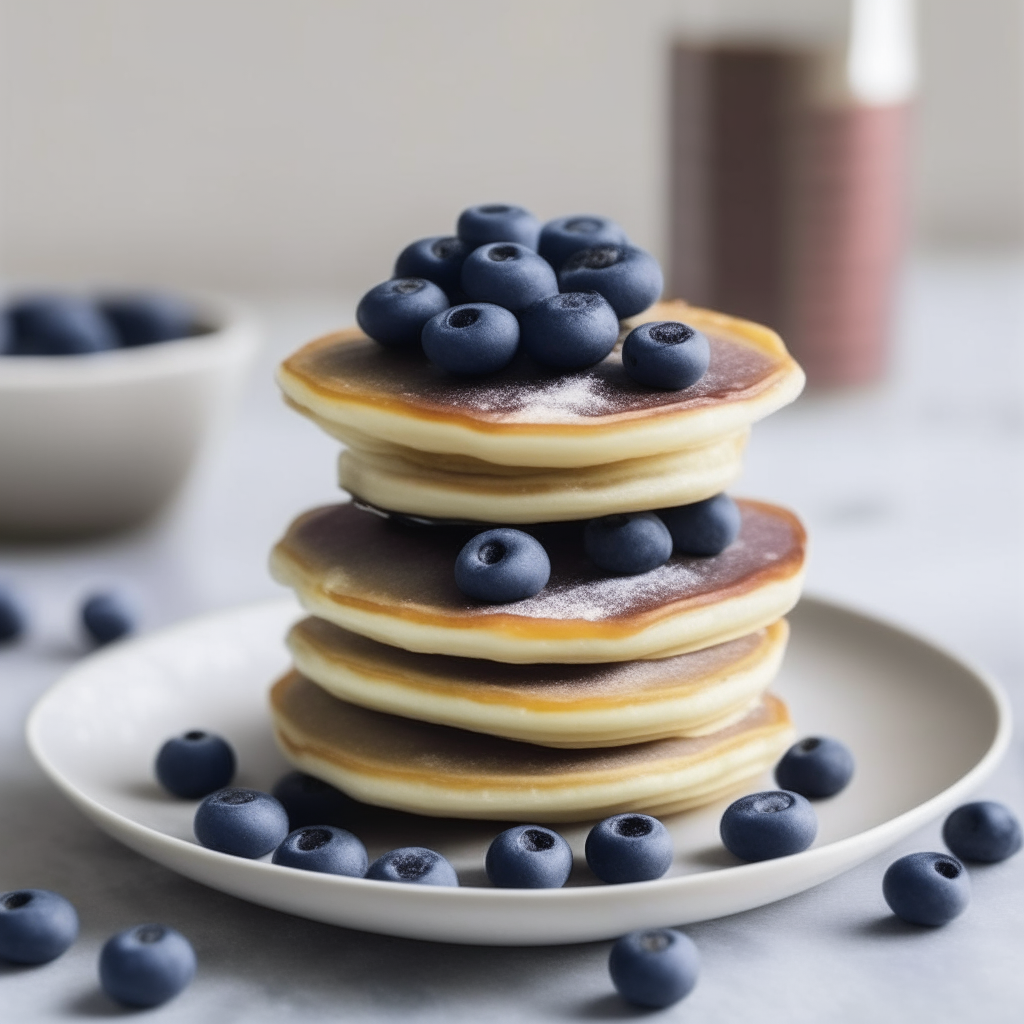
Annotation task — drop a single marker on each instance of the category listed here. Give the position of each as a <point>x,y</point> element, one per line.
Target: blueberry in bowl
<point>413,865</point>
<point>471,340</point>
<point>627,544</point>
<point>984,831</point>
<point>242,822</point>
<point>195,764</point>
<point>147,318</point>
<point>629,848</point>
<point>508,275</point>
<point>334,851</point>
<point>564,236</point>
<point>498,222</point>
<point>628,277</point>
<point>394,313</point>
<point>438,259</point>
<point>569,331</point>
<point>666,354</point>
<point>816,767</point>
<point>146,965</point>
<point>502,565</point>
<point>58,325</point>
<point>703,528</point>
<point>927,888</point>
<point>654,968</point>
<point>763,826</point>
<point>528,857</point>
<point>36,926</point>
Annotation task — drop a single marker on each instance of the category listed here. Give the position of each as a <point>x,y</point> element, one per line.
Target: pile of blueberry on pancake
<point>540,603</point>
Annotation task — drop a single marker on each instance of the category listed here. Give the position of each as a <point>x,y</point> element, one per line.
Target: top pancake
<point>529,416</point>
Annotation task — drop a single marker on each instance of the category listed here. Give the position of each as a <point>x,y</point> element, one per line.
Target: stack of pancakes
<point>600,694</point>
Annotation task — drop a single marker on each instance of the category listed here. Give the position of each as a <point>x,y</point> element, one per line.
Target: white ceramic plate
<point>924,727</point>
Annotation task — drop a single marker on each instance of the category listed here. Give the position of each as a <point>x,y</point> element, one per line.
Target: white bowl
<point>94,443</point>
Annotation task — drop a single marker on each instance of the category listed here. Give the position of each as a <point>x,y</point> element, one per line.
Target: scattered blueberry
<point>195,764</point>
<point>146,965</point>
<point>528,857</point>
<point>438,259</point>
<point>508,275</point>
<point>415,865</point>
<point>629,278</point>
<point>334,851</point>
<point>12,621</point>
<point>569,331</point>
<point>59,325</point>
<point>926,888</point>
<point>983,831</point>
<point>703,528</point>
<point>106,618</point>
<point>36,926</point>
<point>763,826</point>
<point>311,801</point>
<point>498,222</point>
<point>654,968</point>
<point>502,565</point>
<point>628,544</point>
<point>564,236</point>
<point>472,339</point>
<point>393,313</point>
<point>666,354</point>
<point>815,767</point>
<point>629,848</point>
<point>243,822</point>
<point>147,318</point>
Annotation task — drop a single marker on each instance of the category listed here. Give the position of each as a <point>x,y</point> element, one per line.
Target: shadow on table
<point>607,1007</point>
<point>96,1004</point>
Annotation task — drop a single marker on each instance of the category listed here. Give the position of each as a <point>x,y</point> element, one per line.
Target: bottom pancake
<point>444,772</point>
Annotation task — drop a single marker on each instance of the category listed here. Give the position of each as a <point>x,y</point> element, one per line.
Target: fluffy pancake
<point>395,583</point>
<point>528,416</point>
<point>435,770</point>
<point>553,705</point>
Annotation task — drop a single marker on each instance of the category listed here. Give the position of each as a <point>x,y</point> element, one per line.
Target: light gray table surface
<point>912,495</point>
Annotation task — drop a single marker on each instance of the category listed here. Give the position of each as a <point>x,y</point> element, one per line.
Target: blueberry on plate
<point>438,259</point>
<point>334,851</point>
<point>703,528</point>
<point>763,826</point>
<point>564,236</point>
<point>393,313</point>
<point>815,767</point>
<point>502,565</point>
<point>629,848</point>
<point>106,618</point>
<point>471,340</point>
<point>528,857</point>
<point>36,926</point>
<point>498,222</point>
<point>12,621</point>
<point>415,865</point>
<point>59,325</point>
<point>666,354</point>
<point>242,822</point>
<point>627,544</point>
<point>983,831</point>
<point>311,801</point>
<point>146,965</point>
<point>508,275</point>
<point>194,764</point>
<point>654,968</point>
<point>629,278</point>
<point>569,331</point>
<point>927,888</point>
<point>149,317</point>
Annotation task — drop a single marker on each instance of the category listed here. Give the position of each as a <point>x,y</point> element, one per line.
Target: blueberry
<point>508,275</point>
<point>502,565</point>
<point>498,222</point>
<point>703,528</point>
<point>763,826</point>
<point>528,857</point>
<point>569,331</point>
<point>654,968</point>
<point>629,278</point>
<point>564,236</point>
<point>243,822</point>
<point>415,865</point>
<point>629,848</point>
<point>146,318</point>
<point>927,888</point>
<point>323,848</point>
<point>146,965</point>
<point>666,354</point>
<point>815,767</point>
<point>393,313</point>
<point>311,801</point>
<point>983,831</point>
<point>472,339</point>
<point>628,544</point>
<point>438,259</point>
<point>59,325</point>
<point>195,764</point>
<point>106,618</point>
<point>6,333</point>
<point>12,621</point>
<point>36,926</point>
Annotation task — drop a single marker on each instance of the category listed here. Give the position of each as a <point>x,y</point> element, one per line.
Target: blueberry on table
<point>816,767</point>
<point>415,865</point>
<point>629,848</point>
<point>149,317</point>
<point>564,236</point>
<point>502,565</point>
<point>311,801</point>
<point>325,848</point>
<point>927,888</point>
<point>195,764</point>
<point>763,826</point>
<point>508,275</point>
<point>438,259</point>
<point>106,618</point>
<point>394,313</point>
<point>12,621</point>
<point>703,528</point>
<point>627,544</point>
<point>146,965</point>
<point>628,277</point>
<point>667,355</point>
<point>498,222</point>
<point>528,857</point>
<point>654,968</point>
<point>569,331</point>
<point>472,339</point>
<point>59,325</point>
<point>984,831</point>
<point>36,926</point>
<point>242,822</point>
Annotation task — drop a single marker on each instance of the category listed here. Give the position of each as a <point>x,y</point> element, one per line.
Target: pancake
<point>395,583</point>
<point>526,415</point>
<point>600,705</point>
<point>443,772</point>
